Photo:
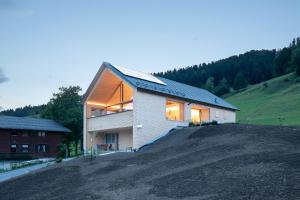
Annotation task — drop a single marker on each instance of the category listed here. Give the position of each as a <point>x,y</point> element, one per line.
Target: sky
<point>52,43</point>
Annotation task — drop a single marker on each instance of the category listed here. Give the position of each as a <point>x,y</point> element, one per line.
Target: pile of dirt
<point>228,161</point>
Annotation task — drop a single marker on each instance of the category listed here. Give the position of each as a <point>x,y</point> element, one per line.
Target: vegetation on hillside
<point>236,72</point>
<point>274,102</point>
<point>26,111</point>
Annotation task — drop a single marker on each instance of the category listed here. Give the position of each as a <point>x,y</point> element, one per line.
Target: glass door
<point>112,140</point>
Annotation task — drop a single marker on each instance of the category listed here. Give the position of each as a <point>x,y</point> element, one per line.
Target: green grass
<point>278,103</point>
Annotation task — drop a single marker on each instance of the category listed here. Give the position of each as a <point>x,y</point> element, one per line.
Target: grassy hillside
<point>276,102</point>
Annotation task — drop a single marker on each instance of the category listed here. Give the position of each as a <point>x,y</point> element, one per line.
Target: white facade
<point>146,120</point>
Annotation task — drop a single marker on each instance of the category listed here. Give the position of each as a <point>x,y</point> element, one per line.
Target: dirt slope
<point>217,162</point>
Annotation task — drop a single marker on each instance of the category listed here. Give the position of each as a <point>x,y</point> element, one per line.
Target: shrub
<point>58,160</point>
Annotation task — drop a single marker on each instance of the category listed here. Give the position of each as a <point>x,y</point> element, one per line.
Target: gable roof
<point>27,123</point>
<point>167,87</point>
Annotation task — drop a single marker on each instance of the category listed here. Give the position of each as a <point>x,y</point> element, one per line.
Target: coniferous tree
<point>209,85</point>
<point>240,82</point>
<point>222,88</point>
<point>295,62</point>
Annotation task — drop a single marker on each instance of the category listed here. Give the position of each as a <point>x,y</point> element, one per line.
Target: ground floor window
<point>24,148</point>
<point>199,114</point>
<point>174,110</point>
<point>196,115</point>
<point>41,148</point>
<point>13,148</point>
<point>111,139</point>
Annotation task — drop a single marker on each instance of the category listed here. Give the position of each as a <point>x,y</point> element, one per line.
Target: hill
<point>228,162</point>
<point>272,102</point>
<point>238,71</point>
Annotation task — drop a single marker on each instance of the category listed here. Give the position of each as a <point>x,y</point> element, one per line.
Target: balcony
<point>110,121</point>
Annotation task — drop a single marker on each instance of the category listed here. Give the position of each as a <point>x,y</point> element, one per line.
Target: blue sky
<point>48,44</point>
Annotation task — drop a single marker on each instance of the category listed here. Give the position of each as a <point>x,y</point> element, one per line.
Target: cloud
<point>3,78</point>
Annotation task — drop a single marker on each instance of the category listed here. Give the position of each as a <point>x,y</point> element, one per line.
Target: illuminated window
<point>174,110</point>
<point>196,115</point>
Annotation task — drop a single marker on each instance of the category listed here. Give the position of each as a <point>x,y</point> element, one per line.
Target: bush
<point>59,160</point>
<point>192,124</point>
<point>62,151</point>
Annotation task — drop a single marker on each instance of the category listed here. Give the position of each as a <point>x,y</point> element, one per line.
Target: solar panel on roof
<point>140,75</point>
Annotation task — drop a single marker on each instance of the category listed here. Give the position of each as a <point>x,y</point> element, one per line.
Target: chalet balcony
<point>110,121</point>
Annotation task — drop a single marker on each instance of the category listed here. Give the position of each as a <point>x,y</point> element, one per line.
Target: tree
<point>222,87</point>
<point>281,61</point>
<point>209,85</point>
<point>295,61</point>
<point>240,81</point>
<point>65,107</point>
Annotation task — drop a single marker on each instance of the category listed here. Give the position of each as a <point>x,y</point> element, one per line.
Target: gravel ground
<point>217,162</point>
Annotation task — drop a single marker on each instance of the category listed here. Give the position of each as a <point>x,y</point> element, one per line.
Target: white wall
<point>149,112</point>
<point>111,121</point>
<point>125,139</point>
<point>222,115</point>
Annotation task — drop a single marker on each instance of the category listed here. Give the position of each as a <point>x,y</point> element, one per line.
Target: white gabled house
<point>126,109</point>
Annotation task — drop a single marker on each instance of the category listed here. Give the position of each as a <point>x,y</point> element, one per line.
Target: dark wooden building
<point>24,137</point>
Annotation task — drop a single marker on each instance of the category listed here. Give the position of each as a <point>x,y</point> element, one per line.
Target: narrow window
<point>41,134</point>
<point>13,148</point>
<point>217,114</point>
<point>41,148</point>
<point>25,148</point>
<point>174,110</point>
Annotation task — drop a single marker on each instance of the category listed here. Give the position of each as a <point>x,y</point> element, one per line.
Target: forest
<point>237,72</point>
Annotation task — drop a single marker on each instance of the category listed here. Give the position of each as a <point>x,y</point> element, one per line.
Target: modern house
<point>126,109</point>
<point>24,137</point>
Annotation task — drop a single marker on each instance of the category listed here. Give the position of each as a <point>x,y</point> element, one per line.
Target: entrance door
<point>112,140</point>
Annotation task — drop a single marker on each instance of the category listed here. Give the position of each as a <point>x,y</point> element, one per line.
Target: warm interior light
<point>174,110</point>
<point>96,104</point>
<point>195,115</point>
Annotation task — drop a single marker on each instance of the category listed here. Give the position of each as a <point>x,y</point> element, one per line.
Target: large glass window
<point>196,115</point>
<point>174,110</point>
<point>199,114</point>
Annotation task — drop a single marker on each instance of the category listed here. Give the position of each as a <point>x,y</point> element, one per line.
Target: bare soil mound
<point>228,161</point>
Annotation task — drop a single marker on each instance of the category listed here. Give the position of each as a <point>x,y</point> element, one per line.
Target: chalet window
<point>41,133</point>
<point>13,148</point>
<point>41,148</point>
<point>217,114</point>
<point>25,148</point>
<point>174,110</point>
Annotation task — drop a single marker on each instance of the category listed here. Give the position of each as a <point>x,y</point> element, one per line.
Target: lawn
<point>274,102</point>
